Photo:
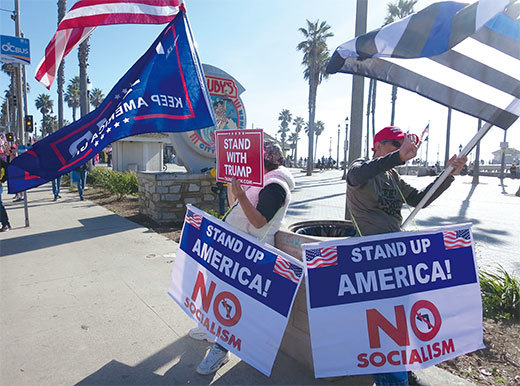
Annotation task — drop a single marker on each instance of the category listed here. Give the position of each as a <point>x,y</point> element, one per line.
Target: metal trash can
<point>296,342</point>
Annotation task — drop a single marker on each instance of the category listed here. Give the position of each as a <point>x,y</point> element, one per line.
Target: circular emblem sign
<point>229,111</point>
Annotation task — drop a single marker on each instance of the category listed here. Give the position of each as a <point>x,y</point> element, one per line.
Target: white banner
<point>392,302</point>
<point>237,288</point>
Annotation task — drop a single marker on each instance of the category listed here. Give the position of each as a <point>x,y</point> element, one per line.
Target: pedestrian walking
<point>81,174</point>
<point>3,213</point>
<point>56,183</point>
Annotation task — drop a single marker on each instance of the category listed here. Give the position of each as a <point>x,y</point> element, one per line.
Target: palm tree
<point>62,7</point>
<point>83,51</point>
<point>293,140</point>
<point>315,59</point>
<point>318,130</point>
<point>396,11</point>
<point>285,117</point>
<point>49,124</point>
<point>72,95</point>
<point>298,123</point>
<point>96,97</point>
<point>45,104</point>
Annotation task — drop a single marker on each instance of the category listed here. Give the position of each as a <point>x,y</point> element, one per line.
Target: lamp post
<point>337,165</point>
<point>345,148</point>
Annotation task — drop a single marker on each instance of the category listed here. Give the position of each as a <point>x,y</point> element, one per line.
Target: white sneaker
<point>215,357</point>
<point>198,333</point>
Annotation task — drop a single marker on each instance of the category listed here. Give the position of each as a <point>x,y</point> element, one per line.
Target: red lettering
<point>447,347</point>
<point>362,358</point>
<point>436,349</point>
<point>200,286</point>
<point>236,343</point>
<point>373,357</point>
<point>414,357</point>
<point>399,333</point>
<point>391,360</point>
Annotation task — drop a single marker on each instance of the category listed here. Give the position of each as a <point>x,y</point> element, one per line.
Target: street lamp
<point>345,148</point>
<point>337,165</point>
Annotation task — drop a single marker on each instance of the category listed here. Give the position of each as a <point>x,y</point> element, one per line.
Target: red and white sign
<point>240,154</point>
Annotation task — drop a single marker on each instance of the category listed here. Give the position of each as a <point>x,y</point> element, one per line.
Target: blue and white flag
<point>466,57</point>
<point>164,91</point>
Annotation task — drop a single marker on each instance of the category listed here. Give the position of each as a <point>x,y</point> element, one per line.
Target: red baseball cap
<point>389,133</point>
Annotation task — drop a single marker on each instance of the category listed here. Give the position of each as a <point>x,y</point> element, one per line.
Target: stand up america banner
<point>238,289</point>
<point>164,91</point>
<point>393,302</point>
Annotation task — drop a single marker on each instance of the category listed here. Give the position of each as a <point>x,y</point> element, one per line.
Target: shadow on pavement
<point>186,355</point>
<point>91,228</point>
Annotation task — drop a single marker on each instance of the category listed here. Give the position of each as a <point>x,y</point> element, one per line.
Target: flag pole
<point>514,106</point>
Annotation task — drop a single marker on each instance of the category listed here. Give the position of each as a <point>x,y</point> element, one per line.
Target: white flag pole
<point>513,107</point>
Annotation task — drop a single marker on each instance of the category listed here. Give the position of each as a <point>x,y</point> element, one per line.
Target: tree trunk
<point>312,107</point>
<point>83,63</point>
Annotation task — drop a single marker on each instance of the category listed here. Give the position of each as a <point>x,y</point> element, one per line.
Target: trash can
<point>296,342</point>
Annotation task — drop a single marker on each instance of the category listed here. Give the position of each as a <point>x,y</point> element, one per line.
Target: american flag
<point>425,133</point>
<point>86,15</point>
<point>456,239</point>
<point>323,257</point>
<point>289,271</point>
<point>193,219</point>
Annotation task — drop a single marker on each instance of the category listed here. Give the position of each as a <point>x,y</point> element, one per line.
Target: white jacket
<point>238,219</point>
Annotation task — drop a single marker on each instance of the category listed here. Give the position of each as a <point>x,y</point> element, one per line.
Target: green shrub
<point>65,179</point>
<point>120,184</point>
<point>500,294</point>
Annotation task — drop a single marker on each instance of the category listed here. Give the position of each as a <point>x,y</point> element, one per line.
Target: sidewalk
<point>83,295</point>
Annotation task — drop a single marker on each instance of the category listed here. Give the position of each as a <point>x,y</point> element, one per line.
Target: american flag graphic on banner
<point>456,239</point>
<point>83,18</point>
<point>289,271</point>
<point>193,219</point>
<point>323,257</point>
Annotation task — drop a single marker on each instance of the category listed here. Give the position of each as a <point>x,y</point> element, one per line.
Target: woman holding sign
<point>258,211</point>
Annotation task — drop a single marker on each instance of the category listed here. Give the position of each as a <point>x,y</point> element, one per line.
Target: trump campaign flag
<point>85,15</point>
<point>239,290</point>
<point>384,303</point>
<point>164,91</point>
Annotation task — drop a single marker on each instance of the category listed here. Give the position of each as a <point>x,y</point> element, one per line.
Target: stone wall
<point>163,196</point>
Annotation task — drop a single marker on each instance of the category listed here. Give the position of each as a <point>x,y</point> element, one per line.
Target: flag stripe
<point>438,92</point>
<point>121,18</point>
<point>498,41</point>
<point>473,68</point>
<point>322,263</point>
<point>463,83</point>
<point>482,53</point>
<point>411,43</point>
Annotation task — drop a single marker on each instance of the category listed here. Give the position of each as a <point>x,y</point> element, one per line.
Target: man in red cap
<point>376,194</point>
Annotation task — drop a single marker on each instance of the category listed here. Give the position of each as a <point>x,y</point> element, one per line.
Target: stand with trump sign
<point>385,303</point>
<point>238,289</point>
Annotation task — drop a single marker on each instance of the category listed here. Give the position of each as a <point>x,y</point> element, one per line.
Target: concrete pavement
<point>83,295</point>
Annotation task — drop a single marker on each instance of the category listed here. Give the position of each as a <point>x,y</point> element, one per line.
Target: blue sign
<point>14,50</point>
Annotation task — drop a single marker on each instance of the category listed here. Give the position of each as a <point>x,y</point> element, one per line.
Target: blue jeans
<point>391,379</point>
<point>3,213</point>
<point>56,186</point>
<point>82,180</point>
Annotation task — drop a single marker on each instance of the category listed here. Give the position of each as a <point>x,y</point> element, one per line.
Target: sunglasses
<point>396,144</point>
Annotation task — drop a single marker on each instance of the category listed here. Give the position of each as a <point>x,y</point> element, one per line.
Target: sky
<point>255,42</point>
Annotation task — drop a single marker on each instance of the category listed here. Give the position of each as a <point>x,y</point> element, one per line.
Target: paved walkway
<point>83,300</point>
